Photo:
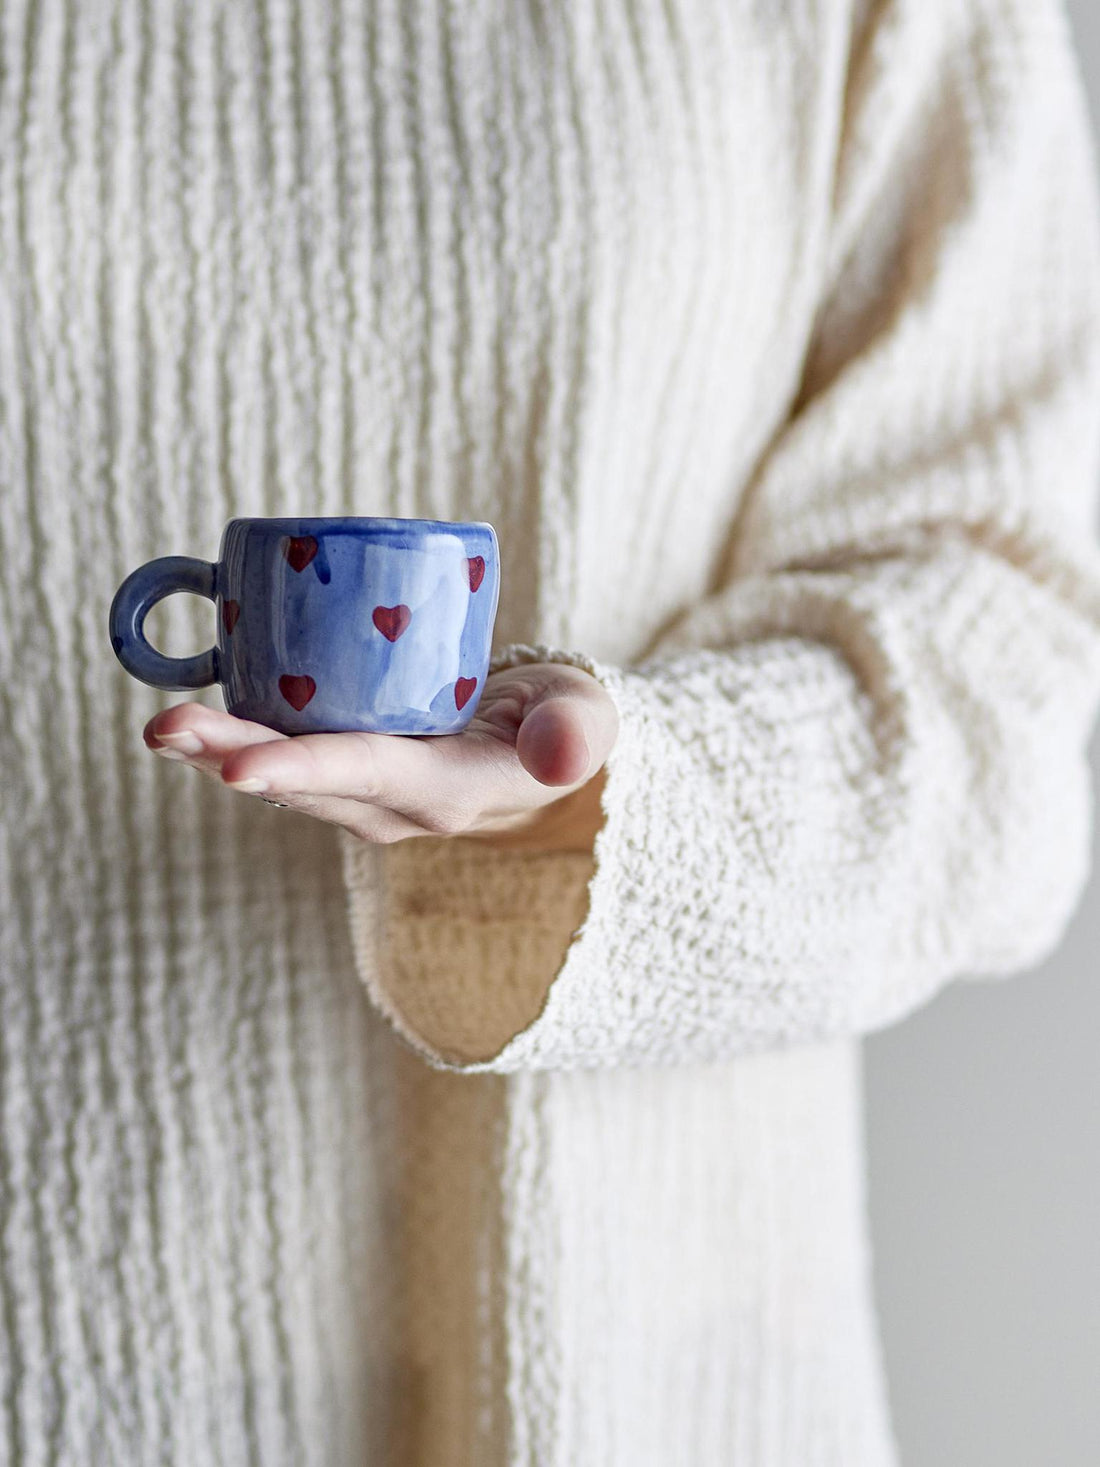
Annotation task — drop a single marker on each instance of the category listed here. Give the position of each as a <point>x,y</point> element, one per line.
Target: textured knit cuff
<point>458,942</point>
<point>491,960</point>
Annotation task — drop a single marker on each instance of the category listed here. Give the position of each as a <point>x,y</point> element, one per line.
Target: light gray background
<point>984,1135</point>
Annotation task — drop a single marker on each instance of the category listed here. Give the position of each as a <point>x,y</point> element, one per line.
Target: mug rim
<point>364,521</point>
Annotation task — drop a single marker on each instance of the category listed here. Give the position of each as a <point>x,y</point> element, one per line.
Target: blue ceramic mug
<point>333,624</point>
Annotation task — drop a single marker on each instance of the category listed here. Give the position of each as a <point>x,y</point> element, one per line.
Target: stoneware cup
<point>328,625</point>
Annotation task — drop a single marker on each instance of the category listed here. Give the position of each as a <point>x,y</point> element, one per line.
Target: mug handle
<point>140,591</point>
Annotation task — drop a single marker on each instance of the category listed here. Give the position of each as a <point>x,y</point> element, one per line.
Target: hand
<point>525,774</point>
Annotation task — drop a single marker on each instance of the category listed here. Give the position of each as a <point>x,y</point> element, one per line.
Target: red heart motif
<point>476,566</point>
<point>231,610</point>
<point>464,690</point>
<point>297,689</point>
<point>299,550</point>
<point>391,621</point>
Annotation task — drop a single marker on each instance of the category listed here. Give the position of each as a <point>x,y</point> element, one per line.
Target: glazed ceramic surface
<point>331,624</point>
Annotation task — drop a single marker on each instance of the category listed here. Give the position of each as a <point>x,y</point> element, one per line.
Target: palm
<point>540,734</point>
<point>554,745</point>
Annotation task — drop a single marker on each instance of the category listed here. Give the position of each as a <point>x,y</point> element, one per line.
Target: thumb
<point>565,738</point>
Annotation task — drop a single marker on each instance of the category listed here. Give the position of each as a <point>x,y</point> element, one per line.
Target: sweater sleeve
<point>858,770</point>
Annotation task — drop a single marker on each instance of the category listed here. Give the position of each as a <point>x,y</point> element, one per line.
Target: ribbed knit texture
<point>768,337</point>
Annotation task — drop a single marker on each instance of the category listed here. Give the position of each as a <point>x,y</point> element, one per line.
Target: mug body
<point>373,624</point>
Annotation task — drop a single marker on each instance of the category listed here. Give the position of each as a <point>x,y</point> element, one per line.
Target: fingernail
<point>250,786</point>
<point>586,732</point>
<point>184,742</point>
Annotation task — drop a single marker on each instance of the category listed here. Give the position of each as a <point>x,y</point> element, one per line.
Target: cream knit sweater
<point>768,337</point>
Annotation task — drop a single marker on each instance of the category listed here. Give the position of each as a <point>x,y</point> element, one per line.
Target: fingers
<point>379,786</point>
<point>205,739</point>
<point>362,766</point>
<point>544,729</point>
<point>565,739</point>
<point>441,783</point>
<point>552,743</point>
<point>203,736</point>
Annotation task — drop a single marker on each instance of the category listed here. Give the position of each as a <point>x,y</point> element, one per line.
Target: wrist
<point>566,824</point>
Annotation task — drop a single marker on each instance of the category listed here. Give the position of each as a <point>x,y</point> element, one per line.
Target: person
<point>499,1099</point>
